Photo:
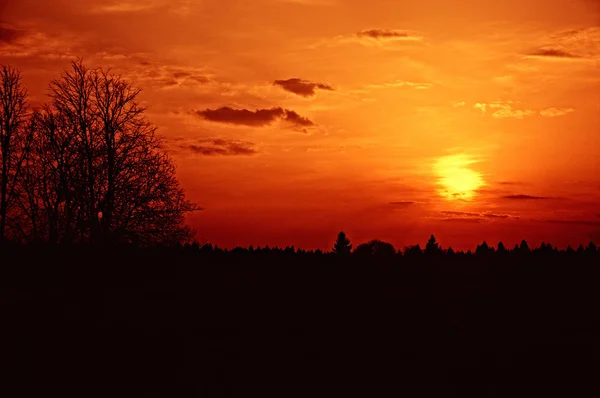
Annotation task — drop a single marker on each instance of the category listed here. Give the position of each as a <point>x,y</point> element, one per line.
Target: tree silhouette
<point>501,248</point>
<point>483,249</point>
<point>376,248</point>
<point>96,172</point>
<point>15,137</point>
<point>432,248</point>
<point>524,247</point>
<point>342,245</point>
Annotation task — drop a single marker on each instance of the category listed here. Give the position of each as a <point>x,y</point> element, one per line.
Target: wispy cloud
<point>554,112</point>
<point>525,197</point>
<point>577,44</point>
<point>210,147</point>
<point>27,43</point>
<point>552,53</point>
<point>373,37</point>
<point>404,203</point>
<point>590,223</point>
<point>388,34</point>
<point>303,88</point>
<point>257,118</point>
<point>9,34</point>
<point>461,220</point>
<point>503,109</point>
<point>400,84</point>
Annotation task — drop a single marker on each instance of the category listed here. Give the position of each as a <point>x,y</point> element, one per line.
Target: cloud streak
<point>555,112</point>
<point>303,88</point>
<point>503,110</point>
<point>257,118</point>
<point>387,34</point>
<point>552,53</point>
<point>404,203</point>
<point>9,35</point>
<point>525,197</point>
<point>220,147</point>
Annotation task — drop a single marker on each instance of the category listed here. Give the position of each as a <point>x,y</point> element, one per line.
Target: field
<point>163,324</point>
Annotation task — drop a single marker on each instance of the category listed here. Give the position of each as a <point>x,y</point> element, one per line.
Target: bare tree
<point>96,172</point>
<point>14,139</point>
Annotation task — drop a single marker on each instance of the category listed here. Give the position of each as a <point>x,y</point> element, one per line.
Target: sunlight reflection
<point>456,179</point>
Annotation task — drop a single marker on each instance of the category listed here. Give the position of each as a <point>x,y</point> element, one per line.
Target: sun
<point>456,179</point>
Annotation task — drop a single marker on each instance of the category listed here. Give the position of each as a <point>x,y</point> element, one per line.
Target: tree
<point>483,249</point>
<point>376,248</point>
<point>432,248</point>
<point>342,245</point>
<point>14,139</point>
<point>524,247</point>
<point>98,173</point>
<point>501,248</point>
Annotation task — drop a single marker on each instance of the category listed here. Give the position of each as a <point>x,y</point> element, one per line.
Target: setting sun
<point>456,179</point>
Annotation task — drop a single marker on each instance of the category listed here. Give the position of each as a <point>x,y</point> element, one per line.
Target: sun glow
<point>457,180</point>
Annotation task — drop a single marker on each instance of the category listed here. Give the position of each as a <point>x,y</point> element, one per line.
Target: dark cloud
<point>258,118</point>
<point>525,197</point>
<point>304,88</point>
<point>492,215</point>
<point>383,34</point>
<point>9,35</point>
<point>403,203</point>
<point>220,147</point>
<point>553,53</point>
<point>295,118</point>
<point>510,183</point>
<point>590,223</point>
<point>462,220</point>
<point>460,213</point>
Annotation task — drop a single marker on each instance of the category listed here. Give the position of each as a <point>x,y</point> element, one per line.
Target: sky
<point>291,120</point>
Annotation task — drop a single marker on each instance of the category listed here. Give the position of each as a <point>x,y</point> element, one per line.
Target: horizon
<point>387,121</point>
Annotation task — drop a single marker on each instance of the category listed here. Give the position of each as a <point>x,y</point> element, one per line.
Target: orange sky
<point>291,120</point>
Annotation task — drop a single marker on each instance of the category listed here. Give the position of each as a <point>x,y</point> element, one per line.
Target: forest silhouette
<point>105,291</point>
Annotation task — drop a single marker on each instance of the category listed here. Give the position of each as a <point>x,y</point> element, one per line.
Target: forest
<point>105,292</point>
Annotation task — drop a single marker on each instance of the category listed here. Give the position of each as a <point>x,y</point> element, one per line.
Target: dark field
<point>166,324</point>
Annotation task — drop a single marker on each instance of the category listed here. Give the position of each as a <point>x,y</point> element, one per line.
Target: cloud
<point>304,88</point>
<point>398,84</point>
<point>124,6</point>
<point>492,215</point>
<point>458,104</point>
<point>258,118</point>
<point>403,203</point>
<point>504,109</point>
<point>554,112</point>
<point>221,147</point>
<point>590,223</point>
<point>9,35</point>
<point>387,34</point>
<point>525,197</point>
<point>512,113</point>
<point>180,7</point>
<point>373,37</point>
<point>577,44</point>
<point>460,213</point>
<point>17,43</point>
<point>510,183</point>
<point>162,76</point>
<point>552,53</point>
<point>462,220</point>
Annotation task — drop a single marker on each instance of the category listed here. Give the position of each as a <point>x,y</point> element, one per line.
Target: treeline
<point>342,248</point>
<point>85,168</point>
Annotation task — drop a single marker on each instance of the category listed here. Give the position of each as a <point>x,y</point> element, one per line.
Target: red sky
<point>291,120</point>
